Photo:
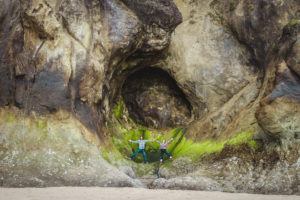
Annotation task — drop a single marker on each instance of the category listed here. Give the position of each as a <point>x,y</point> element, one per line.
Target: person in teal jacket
<point>141,149</point>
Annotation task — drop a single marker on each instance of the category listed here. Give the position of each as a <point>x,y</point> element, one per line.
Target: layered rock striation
<point>214,68</point>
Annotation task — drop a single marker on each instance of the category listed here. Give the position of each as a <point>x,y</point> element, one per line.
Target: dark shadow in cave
<point>153,99</point>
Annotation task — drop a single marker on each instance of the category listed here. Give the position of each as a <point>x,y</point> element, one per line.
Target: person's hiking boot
<point>171,158</point>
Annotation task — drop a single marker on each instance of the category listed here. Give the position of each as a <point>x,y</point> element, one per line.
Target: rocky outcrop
<point>279,111</point>
<point>60,56</point>
<point>159,18</point>
<point>53,151</point>
<point>292,32</point>
<point>11,38</point>
<point>268,174</point>
<point>219,68</point>
<point>257,24</point>
<point>216,68</point>
<point>69,50</point>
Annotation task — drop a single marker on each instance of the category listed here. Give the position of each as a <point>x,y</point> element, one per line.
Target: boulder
<point>279,111</point>
<point>53,151</point>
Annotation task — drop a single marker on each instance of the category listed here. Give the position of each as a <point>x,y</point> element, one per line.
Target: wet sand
<point>91,193</point>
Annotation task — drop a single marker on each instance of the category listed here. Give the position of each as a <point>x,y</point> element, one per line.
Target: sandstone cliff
<point>80,78</point>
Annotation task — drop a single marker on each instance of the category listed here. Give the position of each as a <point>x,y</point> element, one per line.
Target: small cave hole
<point>153,99</point>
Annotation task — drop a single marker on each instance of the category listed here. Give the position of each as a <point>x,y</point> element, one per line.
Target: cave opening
<point>154,100</point>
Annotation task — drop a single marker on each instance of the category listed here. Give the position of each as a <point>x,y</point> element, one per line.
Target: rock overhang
<point>154,99</point>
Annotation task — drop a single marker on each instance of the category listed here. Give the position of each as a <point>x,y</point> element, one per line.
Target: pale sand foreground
<point>91,193</point>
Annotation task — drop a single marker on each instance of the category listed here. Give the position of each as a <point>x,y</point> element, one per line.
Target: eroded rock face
<point>293,57</point>
<point>52,151</point>
<point>154,99</point>
<point>268,174</point>
<point>60,56</point>
<point>11,38</point>
<point>68,51</point>
<point>160,19</point>
<point>279,112</point>
<point>75,56</point>
<point>258,24</point>
<point>214,70</point>
<point>71,51</point>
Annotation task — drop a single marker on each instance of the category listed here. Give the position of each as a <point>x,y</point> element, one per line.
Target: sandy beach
<point>91,193</point>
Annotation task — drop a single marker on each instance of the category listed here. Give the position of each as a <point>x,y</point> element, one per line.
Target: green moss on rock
<point>11,118</point>
<point>255,144</point>
<point>243,137</point>
<point>186,147</point>
<point>180,147</point>
<point>291,26</point>
<point>293,22</point>
<point>41,124</point>
<point>119,108</point>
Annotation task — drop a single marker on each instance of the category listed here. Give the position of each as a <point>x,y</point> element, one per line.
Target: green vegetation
<point>254,144</point>
<point>126,148</point>
<point>186,147</point>
<point>293,22</point>
<point>290,26</point>
<point>11,118</point>
<point>41,124</point>
<point>241,138</point>
<point>112,156</point>
<point>118,110</point>
<point>181,146</point>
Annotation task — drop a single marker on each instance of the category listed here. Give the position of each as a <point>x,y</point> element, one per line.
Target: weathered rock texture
<point>259,172</point>
<point>154,99</point>
<point>279,112</point>
<point>53,151</point>
<point>234,64</point>
<point>214,70</point>
<point>59,56</point>
<point>266,35</point>
<point>63,53</point>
